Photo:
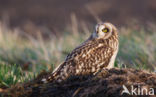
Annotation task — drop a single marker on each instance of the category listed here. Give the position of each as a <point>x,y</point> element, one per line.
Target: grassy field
<point>22,58</point>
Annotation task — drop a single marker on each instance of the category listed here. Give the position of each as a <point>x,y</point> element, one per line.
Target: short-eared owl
<point>97,52</point>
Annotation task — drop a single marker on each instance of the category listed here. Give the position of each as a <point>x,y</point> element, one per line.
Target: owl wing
<point>89,58</point>
<point>69,63</point>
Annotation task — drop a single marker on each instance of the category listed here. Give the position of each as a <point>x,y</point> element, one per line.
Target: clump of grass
<point>11,74</point>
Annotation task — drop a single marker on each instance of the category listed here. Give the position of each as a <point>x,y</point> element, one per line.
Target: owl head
<point>104,30</point>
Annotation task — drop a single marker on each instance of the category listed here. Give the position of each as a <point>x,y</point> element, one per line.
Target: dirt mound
<point>108,83</point>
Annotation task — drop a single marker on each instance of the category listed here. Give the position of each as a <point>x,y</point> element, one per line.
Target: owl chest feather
<point>112,60</point>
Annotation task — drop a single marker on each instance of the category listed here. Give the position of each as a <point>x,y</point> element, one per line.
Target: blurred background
<point>55,15</point>
<point>36,35</point>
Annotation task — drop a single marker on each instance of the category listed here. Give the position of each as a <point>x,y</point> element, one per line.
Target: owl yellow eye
<point>105,30</point>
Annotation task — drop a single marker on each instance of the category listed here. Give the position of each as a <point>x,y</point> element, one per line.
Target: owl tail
<point>48,79</point>
<point>53,76</point>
